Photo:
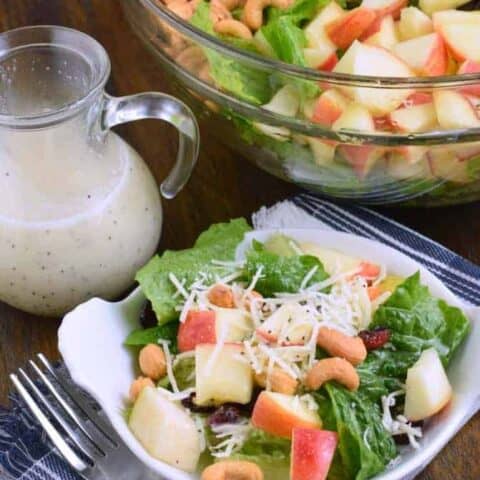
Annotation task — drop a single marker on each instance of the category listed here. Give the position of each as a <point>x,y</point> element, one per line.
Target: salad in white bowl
<point>290,360</point>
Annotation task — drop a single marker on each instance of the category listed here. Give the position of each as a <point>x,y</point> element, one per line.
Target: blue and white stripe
<point>25,452</point>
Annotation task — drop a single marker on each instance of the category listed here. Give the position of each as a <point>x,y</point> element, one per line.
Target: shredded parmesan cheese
<point>168,359</point>
<point>233,436</point>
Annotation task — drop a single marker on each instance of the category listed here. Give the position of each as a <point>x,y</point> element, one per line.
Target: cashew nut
<point>219,12</point>
<point>138,385</point>
<point>332,369</point>
<point>280,381</point>
<point>253,295</point>
<point>233,470</point>
<point>338,344</point>
<point>152,361</point>
<point>232,4</point>
<point>221,296</point>
<point>253,12</point>
<point>233,27</point>
<point>182,8</point>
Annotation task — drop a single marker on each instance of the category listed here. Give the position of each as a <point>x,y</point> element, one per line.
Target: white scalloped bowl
<point>91,343</point>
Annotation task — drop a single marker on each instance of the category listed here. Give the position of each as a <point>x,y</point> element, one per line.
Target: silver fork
<point>84,439</point>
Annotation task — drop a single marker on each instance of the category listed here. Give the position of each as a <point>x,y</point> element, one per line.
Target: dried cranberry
<point>376,338</point>
<point>225,414</point>
<point>190,404</point>
<point>147,316</point>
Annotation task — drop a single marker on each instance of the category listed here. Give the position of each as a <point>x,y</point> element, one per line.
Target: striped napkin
<point>25,452</point>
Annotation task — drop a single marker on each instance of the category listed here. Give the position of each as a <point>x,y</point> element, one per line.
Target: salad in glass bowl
<point>297,362</point>
<point>376,100</point>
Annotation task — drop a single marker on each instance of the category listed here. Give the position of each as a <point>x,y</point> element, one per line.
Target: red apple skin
<point>469,66</point>
<point>437,63</point>
<point>394,8</point>
<point>329,63</point>
<point>312,453</point>
<point>198,328</point>
<point>326,110</point>
<point>343,31</point>
<point>369,271</point>
<point>418,98</point>
<point>359,157</point>
<point>271,418</point>
<point>372,29</point>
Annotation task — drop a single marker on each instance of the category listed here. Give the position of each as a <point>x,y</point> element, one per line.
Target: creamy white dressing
<point>76,221</point>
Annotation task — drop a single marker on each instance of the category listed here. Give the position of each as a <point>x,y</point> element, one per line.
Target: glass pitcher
<point>80,212</point>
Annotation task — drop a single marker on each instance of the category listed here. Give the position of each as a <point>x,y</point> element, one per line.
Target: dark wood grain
<point>222,187</point>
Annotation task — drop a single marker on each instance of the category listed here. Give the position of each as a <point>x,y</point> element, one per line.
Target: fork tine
<point>65,426</point>
<point>65,450</point>
<point>66,407</point>
<point>99,423</point>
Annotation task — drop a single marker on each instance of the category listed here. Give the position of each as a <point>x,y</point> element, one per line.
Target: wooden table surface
<point>223,186</point>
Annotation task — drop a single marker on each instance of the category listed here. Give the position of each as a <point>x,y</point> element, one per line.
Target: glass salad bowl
<point>399,139</point>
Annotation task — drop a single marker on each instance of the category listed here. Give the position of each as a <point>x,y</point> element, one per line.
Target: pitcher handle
<point>155,105</point>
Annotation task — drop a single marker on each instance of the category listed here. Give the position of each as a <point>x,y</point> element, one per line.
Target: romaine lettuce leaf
<point>218,242</point>
<point>281,274</point>
<point>300,12</point>
<point>145,336</point>
<point>419,321</point>
<point>248,83</point>
<point>364,447</point>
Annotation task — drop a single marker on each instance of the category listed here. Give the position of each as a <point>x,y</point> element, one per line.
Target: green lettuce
<point>364,447</point>
<point>247,83</point>
<point>218,242</point>
<point>281,274</point>
<point>145,336</point>
<point>419,321</point>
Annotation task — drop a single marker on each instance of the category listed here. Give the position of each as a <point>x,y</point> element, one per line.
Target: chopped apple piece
<point>329,107</point>
<point>418,98</point>
<point>432,6</point>
<point>414,23</point>
<point>323,150</point>
<point>427,387</point>
<point>222,375</point>
<point>410,154</point>
<point>344,30</point>
<point>278,414</point>
<point>401,169</point>
<point>312,453</point>
<point>454,110</point>
<point>420,118</point>
<point>332,260</point>
<point>386,34</point>
<point>201,326</point>
<point>465,151</point>
<point>270,329</point>
<point>355,117</point>
<point>154,419</point>
<point>385,7</point>
<point>369,60</point>
<point>315,30</point>
<point>446,165</point>
<point>469,66</point>
<point>427,55</point>
<point>321,58</point>
<point>460,33</point>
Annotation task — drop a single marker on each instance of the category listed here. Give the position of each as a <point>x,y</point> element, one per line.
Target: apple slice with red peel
<point>324,58</point>
<point>362,158</point>
<point>418,98</point>
<point>419,118</point>
<point>346,29</point>
<point>278,414</point>
<point>469,66</point>
<point>385,7</point>
<point>372,61</point>
<point>427,387</point>
<point>454,110</point>
<point>414,23</point>
<point>410,154</point>
<point>312,453</point>
<point>460,32</point>
<point>206,326</point>
<point>432,6</point>
<point>329,107</point>
<point>383,35</point>
<point>270,329</point>
<point>465,151</point>
<point>427,54</point>
<point>315,30</point>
